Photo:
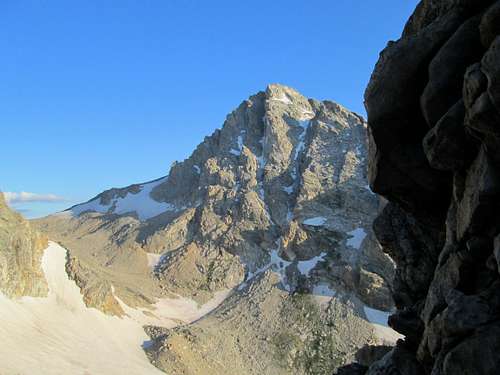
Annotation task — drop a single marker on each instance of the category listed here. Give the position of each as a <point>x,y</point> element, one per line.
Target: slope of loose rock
<point>263,329</point>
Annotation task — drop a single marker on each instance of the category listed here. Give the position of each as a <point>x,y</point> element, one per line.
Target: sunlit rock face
<point>271,217</point>
<point>433,106</point>
<point>282,184</point>
<point>21,250</point>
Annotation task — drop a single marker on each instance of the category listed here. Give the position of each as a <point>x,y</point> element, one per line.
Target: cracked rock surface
<point>433,107</point>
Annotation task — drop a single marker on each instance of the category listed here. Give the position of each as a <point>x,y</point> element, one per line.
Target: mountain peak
<point>272,131</point>
<point>280,164</point>
<point>278,90</point>
<point>273,202</point>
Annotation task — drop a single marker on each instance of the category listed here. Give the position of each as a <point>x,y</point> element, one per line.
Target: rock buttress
<point>433,106</point>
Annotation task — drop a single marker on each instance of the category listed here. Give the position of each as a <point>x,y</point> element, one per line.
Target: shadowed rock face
<point>433,107</point>
<point>21,250</point>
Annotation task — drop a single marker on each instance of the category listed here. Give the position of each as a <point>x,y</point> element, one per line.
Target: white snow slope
<point>141,203</point>
<point>60,335</point>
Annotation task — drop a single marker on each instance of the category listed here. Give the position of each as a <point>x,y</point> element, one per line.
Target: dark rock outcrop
<point>352,369</point>
<point>433,106</point>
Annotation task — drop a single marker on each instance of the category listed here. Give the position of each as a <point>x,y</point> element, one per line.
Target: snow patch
<point>142,203</point>
<point>187,310</point>
<point>261,193</point>
<point>356,238</point>
<point>168,312</point>
<point>317,221</point>
<point>305,266</point>
<point>93,205</point>
<point>197,169</point>
<point>237,152</point>
<point>153,259</point>
<point>288,189</point>
<point>304,123</point>
<point>283,98</point>
<point>277,264</point>
<point>262,161</point>
<point>299,147</point>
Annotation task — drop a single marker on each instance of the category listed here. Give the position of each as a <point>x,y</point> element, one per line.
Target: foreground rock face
<point>21,250</point>
<point>433,107</point>
<point>274,209</point>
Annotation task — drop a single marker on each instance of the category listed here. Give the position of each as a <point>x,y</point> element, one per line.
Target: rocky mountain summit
<point>268,222</point>
<point>433,107</point>
<point>21,249</point>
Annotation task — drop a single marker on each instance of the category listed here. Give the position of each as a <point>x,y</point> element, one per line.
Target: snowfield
<point>315,221</point>
<point>356,238</point>
<point>141,203</point>
<point>60,335</point>
<point>305,266</point>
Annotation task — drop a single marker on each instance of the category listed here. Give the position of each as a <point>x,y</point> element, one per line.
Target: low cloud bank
<point>23,196</point>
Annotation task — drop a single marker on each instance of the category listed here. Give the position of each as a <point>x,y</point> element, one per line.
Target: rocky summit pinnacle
<point>268,221</point>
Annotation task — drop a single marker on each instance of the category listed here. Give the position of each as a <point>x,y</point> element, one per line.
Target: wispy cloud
<point>24,196</point>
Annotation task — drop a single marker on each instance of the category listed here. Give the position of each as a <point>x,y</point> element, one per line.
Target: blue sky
<point>99,94</point>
